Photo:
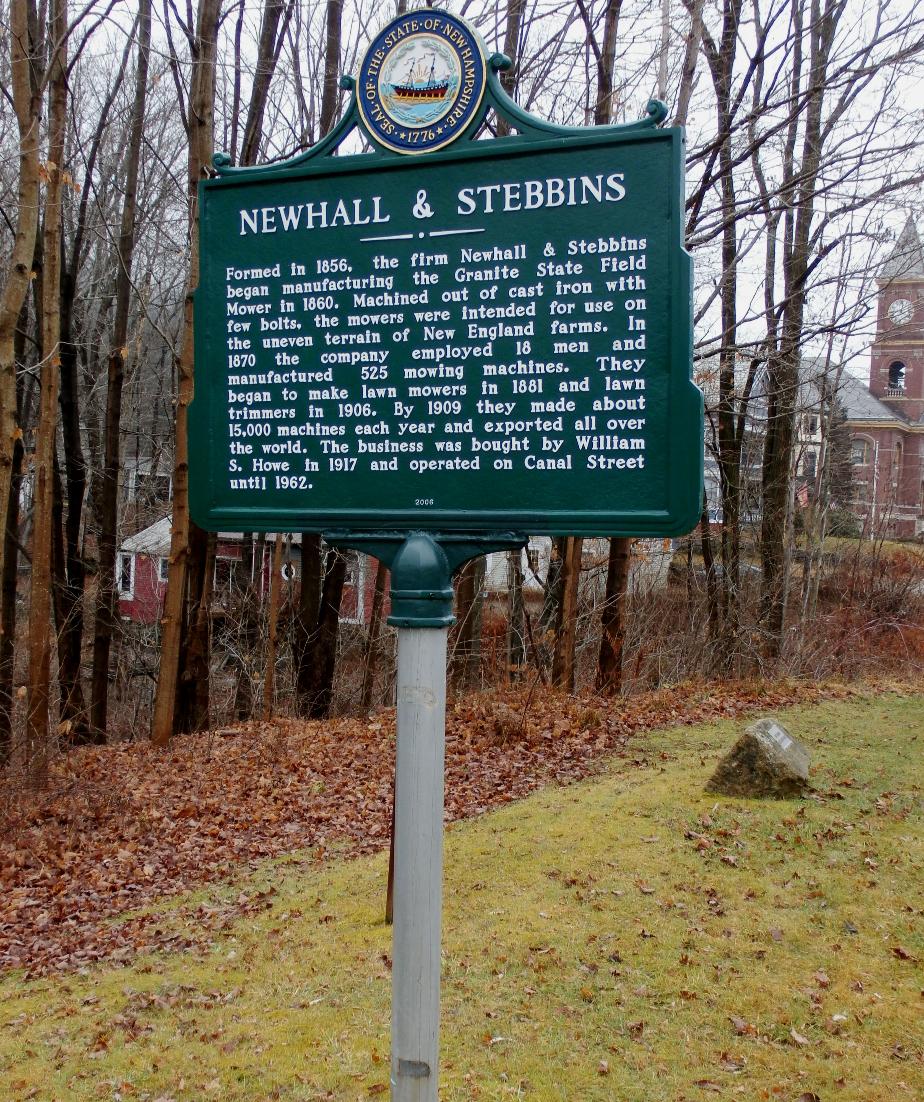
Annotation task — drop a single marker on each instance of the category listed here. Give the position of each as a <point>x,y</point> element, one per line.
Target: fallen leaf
<point>731,1063</point>
<point>798,1038</point>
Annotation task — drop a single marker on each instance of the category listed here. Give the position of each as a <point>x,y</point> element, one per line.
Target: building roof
<point>155,539</point>
<point>907,258</point>
<point>860,405</point>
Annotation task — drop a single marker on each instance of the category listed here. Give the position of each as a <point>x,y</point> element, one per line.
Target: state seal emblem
<point>421,82</point>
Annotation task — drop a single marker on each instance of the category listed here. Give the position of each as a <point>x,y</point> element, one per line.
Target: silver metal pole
<point>418,864</point>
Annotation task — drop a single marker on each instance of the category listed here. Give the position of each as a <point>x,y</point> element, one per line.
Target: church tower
<point>897,362</point>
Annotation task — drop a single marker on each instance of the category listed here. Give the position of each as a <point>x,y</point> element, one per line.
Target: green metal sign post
<point>428,349</point>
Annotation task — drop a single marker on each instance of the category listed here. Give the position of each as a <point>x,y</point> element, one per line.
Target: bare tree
<point>27,102</point>
<point>40,600</point>
<point>107,596</point>
<point>201,108</point>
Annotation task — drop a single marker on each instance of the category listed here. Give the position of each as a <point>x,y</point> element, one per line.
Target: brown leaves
<point>151,824</point>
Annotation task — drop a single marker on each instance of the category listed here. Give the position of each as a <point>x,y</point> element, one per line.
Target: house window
<point>810,465</point>
<point>163,568</point>
<point>860,453</point>
<point>125,574</point>
<point>861,492</point>
<point>897,376</point>
<point>532,559</point>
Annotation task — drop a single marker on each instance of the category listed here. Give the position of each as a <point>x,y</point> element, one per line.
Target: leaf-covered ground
<point>121,827</point>
<point>628,938</point>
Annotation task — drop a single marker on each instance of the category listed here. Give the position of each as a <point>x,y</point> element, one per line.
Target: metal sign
<point>491,334</point>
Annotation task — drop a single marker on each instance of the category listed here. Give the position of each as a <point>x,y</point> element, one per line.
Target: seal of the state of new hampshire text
<point>421,82</point>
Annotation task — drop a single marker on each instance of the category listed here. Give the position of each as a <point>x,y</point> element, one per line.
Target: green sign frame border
<point>685,479</point>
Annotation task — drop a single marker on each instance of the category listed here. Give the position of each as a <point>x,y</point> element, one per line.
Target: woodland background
<point>803,159</point>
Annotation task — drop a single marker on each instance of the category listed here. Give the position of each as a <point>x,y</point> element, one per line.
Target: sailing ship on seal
<point>421,86</point>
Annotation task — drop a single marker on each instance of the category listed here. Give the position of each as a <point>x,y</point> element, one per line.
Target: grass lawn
<point>627,938</point>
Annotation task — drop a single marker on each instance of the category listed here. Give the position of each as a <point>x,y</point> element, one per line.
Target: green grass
<point>592,950</point>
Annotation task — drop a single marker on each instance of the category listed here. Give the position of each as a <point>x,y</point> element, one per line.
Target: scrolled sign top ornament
<point>421,82</point>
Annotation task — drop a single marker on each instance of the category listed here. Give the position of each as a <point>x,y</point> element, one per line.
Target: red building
<point>886,420</point>
<point>141,574</point>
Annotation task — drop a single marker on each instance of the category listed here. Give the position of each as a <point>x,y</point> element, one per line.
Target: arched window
<point>896,375</point>
<point>860,452</point>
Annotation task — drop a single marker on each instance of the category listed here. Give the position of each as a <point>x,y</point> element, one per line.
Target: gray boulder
<point>765,762</point>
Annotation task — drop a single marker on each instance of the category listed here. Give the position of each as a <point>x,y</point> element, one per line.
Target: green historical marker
<point>427,351</point>
<point>493,335</point>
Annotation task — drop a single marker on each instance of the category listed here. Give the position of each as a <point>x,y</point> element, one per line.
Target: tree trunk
<point>267,56</point>
<point>515,623</point>
<point>201,106</point>
<point>192,702</point>
<point>510,77</point>
<point>246,601</point>
<point>371,657</point>
<point>317,700</point>
<point>8,608</point>
<point>27,104</point>
<point>466,663</point>
<point>603,111</point>
<point>316,634</point>
<point>37,735</point>
<point>272,630</point>
<point>712,586</point>
<point>784,360</point>
<point>331,66</point>
<point>68,620</point>
<point>306,618</point>
<point>721,58</point>
<point>690,54</point>
<point>613,621</point>
<point>563,662</point>
<point>107,596</point>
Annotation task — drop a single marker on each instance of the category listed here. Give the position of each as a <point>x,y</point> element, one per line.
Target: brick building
<point>886,419</point>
